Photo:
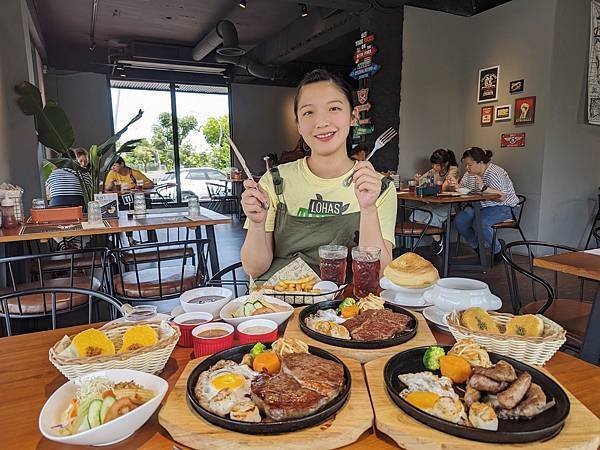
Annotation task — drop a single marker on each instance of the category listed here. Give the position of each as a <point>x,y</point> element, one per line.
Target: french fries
<point>305,284</point>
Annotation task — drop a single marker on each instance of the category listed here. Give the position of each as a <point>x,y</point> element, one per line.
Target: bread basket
<point>145,359</point>
<point>530,350</point>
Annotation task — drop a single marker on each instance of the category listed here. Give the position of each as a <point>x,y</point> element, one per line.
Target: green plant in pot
<point>56,133</point>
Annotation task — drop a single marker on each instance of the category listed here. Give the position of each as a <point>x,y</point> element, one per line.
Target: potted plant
<point>56,133</point>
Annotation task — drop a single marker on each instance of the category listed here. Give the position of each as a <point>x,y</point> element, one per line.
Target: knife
<point>242,161</point>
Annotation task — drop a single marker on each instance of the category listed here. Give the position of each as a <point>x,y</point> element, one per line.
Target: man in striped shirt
<point>487,177</point>
<point>63,186</point>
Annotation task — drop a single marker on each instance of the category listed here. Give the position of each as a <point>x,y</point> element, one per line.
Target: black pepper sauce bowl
<point>267,426</point>
<point>406,335</point>
<point>542,427</point>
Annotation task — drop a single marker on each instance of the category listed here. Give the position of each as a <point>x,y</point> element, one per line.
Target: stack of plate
<point>407,297</point>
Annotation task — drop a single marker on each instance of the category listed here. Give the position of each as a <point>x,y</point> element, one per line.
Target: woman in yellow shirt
<point>126,176</point>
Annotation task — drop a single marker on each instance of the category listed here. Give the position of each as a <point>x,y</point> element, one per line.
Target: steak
<point>304,385</point>
<point>376,324</point>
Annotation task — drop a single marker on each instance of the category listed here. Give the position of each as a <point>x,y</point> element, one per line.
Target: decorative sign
<point>109,204</point>
<point>365,121</point>
<point>361,131</point>
<point>365,40</point>
<point>361,108</point>
<point>487,88</point>
<point>512,140</point>
<point>487,114</point>
<point>524,110</point>
<point>516,86</point>
<point>502,113</point>
<point>365,72</point>
<point>362,95</point>
<point>366,53</point>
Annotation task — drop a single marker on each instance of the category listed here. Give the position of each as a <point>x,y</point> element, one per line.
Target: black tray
<point>542,427</point>
<point>236,354</point>
<point>407,335</point>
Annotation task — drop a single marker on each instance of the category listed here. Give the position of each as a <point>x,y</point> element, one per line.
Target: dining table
<point>28,379</point>
<point>450,199</point>
<point>584,264</point>
<point>153,219</point>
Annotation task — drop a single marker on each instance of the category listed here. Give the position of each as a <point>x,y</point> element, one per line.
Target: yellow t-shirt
<point>129,179</point>
<point>307,195</point>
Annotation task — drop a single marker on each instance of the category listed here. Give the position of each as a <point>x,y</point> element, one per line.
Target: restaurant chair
<point>79,259</point>
<point>406,227</point>
<point>135,279</point>
<point>221,200</point>
<point>596,234</point>
<point>594,225</point>
<point>511,224</point>
<point>571,314</point>
<point>232,277</point>
<point>150,254</point>
<point>56,300</point>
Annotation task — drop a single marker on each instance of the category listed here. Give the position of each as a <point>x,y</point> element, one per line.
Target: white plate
<point>110,432</point>
<point>436,316</point>
<point>387,284</point>
<point>397,298</point>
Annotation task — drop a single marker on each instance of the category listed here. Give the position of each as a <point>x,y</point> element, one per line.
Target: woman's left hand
<point>479,181</point>
<point>367,184</point>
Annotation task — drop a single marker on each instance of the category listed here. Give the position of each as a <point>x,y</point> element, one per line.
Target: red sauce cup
<point>185,340</point>
<point>208,345</point>
<point>246,336</point>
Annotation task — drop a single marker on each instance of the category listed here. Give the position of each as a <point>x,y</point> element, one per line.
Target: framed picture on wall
<point>502,113</point>
<point>487,114</point>
<point>524,110</point>
<point>516,86</point>
<point>487,87</point>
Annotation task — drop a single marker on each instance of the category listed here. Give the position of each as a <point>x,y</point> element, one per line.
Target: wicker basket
<point>145,359</point>
<point>530,350</point>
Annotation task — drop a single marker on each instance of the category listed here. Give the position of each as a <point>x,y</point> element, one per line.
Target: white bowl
<point>212,307</point>
<point>458,294</point>
<point>278,317</point>
<point>463,190</point>
<point>325,286</point>
<point>110,432</point>
<point>387,284</point>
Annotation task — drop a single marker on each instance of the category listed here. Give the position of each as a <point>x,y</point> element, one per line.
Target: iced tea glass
<point>365,270</point>
<point>333,263</point>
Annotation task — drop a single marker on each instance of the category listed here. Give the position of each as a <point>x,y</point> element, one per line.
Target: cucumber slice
<point>106,404</point>
<point>81,418</point>
<point>248,308</point>
<point>93,415</point>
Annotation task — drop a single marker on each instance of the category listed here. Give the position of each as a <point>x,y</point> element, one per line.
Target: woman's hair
<point>120,161</point>
<point>478,155</point>
<point>80,151</point>
<point>443,156</point>
<point>322,75</point>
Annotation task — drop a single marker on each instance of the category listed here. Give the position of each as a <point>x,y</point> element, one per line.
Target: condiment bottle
<point>8,214</point>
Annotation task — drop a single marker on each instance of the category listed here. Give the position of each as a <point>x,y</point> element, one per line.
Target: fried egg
<point>427,382</point>
<point>223,386</point>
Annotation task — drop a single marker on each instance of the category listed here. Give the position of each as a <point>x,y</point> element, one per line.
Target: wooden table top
<point>155,219</point>
<point>581,264</point>
<point>28,379</point>
<point>405,195</point>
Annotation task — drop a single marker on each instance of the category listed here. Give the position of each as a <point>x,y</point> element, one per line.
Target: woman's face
<point>324,117</point>
<point>437,168</point>
<point>474,167</point>
<point>116,167</point>
<point>82,158</point>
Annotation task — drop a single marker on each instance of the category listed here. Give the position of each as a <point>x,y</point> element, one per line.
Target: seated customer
<point>487,177</point>
<point>63,186</point>
<point>444,168</point>
<point>125,176</point>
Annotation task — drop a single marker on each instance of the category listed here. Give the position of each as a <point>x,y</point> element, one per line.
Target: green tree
<point>215,131</point>
<point>162,138</point>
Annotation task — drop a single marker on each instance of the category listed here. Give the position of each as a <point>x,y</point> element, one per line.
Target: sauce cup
<point>204,345</point>
<point>246,336</point>
<point>185,340</point>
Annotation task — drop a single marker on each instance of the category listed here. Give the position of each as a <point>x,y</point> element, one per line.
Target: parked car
<point>193,182</point>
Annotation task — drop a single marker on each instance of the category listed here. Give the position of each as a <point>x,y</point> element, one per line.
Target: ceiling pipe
<point>224,33</point>
<point>93,25</point>
<point>253,67</point>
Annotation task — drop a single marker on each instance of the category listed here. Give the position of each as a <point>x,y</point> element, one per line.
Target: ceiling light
<point>154,65</point>
<point>242,3</point>
<point>303,9</point>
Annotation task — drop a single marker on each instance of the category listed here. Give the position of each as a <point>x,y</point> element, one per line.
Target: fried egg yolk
<point>421,399</point>
<point>228,380</point>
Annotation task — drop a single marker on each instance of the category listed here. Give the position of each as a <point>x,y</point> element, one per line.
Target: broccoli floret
<point>431,358</point>
<point>346,302</point>
<point>258,348</point>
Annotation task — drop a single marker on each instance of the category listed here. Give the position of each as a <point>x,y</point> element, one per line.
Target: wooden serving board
<point>423,337</point>
<point>344,428</point>
<point>581,430</point>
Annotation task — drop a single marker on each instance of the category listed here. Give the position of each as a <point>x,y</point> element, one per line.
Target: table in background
<point>155,219</point>
<point>450,200</point>
<point>586,265</point>
<point>27,379</point>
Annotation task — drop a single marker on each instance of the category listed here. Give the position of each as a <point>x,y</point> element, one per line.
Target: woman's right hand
<point>253,200</point>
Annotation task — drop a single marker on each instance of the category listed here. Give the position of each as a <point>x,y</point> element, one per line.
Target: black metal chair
<point>221,199</point>
<point>136,278</point>
<point>596,234</point>
<point>514,223</point>
<point>594,224</point>
<point>233,277</point>
<point>571,314</point>
<point>408,227</point>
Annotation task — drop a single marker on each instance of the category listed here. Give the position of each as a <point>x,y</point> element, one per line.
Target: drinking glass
<point>38,203</point>
<point>117,185</point>
<point>94,212</point>
<point>193,206</point>
<point>412,185</point>
<point>333,263</point>
<point>365,270</point>
<point>139,184</point>
<point>139,203</point>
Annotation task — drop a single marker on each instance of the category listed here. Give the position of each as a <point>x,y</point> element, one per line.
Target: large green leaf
<point>129,146</point>
<point>52,125</point>
<point>110,142</point>
<point>66,163</point>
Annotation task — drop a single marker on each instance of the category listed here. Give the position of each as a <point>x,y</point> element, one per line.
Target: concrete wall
<point>262,122</point>
<point>85,97</point>
<point>544,42</point>
<point>18,142</point>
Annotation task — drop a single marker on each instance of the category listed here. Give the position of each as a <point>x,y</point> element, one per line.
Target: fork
<point>381,141</point>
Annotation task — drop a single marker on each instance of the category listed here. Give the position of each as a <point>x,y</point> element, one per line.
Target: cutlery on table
<point>381,141</point>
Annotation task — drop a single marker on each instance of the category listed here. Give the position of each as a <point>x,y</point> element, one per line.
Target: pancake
<point>411,271</point>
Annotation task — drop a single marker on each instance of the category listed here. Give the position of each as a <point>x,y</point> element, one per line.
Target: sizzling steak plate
<point>377,324</point>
